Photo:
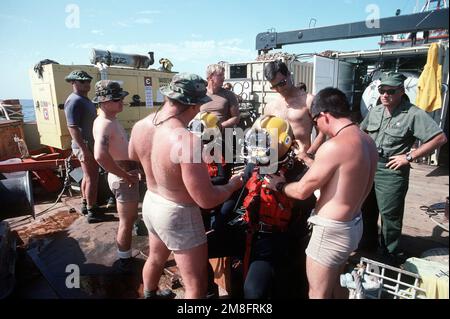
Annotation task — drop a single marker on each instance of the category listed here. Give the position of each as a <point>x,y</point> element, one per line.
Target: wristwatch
<point>409,157</point>
<point>280,186</point>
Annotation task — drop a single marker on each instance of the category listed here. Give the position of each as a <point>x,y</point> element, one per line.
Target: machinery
<point>355,73</point>
<point>50,91</point>
<point>248,82</point>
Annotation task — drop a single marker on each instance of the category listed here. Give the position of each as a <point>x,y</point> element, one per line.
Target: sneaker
<point>159,294</point>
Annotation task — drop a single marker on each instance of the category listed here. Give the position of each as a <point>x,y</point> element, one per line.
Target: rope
<point>66,184</point>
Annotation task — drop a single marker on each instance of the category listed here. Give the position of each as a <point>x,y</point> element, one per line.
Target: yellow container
<point>51,91</point>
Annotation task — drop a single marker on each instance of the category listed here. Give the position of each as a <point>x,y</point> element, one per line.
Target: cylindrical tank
<point>16,197</point>
<point>122,59</point>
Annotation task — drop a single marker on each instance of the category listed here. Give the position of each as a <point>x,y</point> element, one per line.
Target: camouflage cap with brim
<point>107,90</point>
<point>188,89</point>
<point>394,79</point>
<point>78,75</point>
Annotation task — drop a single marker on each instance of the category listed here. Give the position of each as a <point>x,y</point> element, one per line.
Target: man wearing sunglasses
<point>111,152</point>
<point>343,170</point>
<point>394,125</point>
<point>80,114</point>
<point>293,104</point>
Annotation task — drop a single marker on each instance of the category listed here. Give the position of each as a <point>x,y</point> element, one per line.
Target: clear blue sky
<point>191,33</point>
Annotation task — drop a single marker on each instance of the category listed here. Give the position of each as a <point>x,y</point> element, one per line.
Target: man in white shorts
<point>343,170</point>
<point>177,184</point>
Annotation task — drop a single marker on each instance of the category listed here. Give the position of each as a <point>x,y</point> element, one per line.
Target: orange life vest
<point>274,208</point>
<point>213,170</point>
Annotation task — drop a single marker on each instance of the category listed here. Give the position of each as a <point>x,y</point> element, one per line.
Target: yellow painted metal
<point>51,91</point>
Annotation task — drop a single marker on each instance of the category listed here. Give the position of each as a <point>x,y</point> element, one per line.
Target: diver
<point>265,233</point>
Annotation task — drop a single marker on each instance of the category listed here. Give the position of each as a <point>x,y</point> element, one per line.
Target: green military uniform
<point>395,134</point>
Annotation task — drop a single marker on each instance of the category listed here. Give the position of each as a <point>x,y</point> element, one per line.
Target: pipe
<point>122,59</point>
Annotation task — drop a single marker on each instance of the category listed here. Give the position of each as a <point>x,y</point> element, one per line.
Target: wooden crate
<point>9,148</point>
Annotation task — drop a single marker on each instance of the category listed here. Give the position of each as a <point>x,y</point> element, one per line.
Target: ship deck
<point>61,238</point>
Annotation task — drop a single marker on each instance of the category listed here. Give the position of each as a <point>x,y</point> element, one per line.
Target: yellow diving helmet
<point>204,125</point>
<point>268,134</point>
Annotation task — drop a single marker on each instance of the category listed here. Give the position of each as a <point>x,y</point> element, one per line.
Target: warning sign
<point>148,88</point>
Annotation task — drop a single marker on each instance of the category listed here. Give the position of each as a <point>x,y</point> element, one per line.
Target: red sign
<point>45,110</point>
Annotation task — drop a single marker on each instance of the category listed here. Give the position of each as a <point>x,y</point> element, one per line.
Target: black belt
<point>267,228</point>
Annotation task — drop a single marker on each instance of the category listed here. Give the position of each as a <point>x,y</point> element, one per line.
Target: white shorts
<point>333,241</point>
<point>180,227</point>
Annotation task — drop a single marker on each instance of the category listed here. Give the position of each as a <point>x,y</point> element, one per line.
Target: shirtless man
<point>177,185</point>
<point>343,170</point>
<point>292,104</point>
<point>111,152</point>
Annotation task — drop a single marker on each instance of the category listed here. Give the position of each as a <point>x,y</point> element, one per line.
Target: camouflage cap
<point>107,90</point>
<point>188,89</point>
<point>78,75</point>
<point>392,79</point>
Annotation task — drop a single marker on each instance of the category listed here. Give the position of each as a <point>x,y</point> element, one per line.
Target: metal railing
<point>11,112</point>
<point>375,280</point>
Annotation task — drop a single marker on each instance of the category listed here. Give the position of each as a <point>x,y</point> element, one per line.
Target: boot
<point>84,207</point>
<point>159,294</point>
<point>94,216</point>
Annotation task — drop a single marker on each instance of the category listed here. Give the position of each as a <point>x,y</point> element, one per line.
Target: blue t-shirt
<point>81,113</point>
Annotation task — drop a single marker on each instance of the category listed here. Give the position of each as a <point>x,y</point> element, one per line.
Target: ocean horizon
<point>27,109</point>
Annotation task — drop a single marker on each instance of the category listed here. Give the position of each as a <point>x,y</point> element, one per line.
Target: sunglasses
<point>389,92</point>
<point>279,84</point>
<point>315,118</point>
<point>84,81</point>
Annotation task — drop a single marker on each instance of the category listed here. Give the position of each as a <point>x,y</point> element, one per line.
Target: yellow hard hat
<point>204,123</point>
<point>275,131</point>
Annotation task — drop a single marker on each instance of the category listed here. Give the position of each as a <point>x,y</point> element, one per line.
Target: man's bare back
<point>343,170</point>
<point>155,147</point>
<point>296,110</point>
<point>350,159</point>
<point>166,153</point>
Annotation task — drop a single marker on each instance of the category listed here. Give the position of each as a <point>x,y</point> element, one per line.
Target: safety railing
<point>374,280</point>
